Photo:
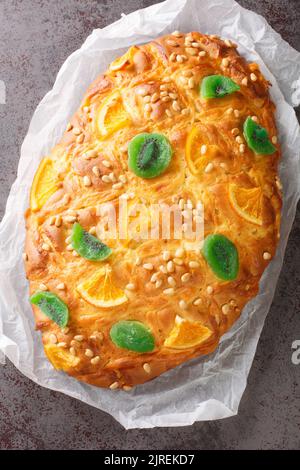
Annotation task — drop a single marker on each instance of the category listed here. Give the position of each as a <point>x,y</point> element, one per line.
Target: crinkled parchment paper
<point>206,388</point>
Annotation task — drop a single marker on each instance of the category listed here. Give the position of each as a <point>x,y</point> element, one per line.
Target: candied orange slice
<point>60,358</point>
<point>194,142</point>
<point>247,202</point>
<point>187,334</point>
<point>124,60</point>
<point>112,115</point>
<point>100,290</point>
<point>45,183</point>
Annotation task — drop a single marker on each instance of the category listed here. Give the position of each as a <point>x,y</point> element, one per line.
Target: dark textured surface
<point>35,38</point>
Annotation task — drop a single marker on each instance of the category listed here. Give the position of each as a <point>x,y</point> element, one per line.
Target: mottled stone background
<point>36,36</point>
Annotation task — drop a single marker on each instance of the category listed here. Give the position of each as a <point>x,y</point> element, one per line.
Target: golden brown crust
<point>168,70</point>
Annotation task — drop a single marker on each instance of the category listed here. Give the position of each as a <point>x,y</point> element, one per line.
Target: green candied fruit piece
<point>132,335</point>
<point>221,256</point>
<point>88,246</point>
<point>149,155</point>
<point>217,86</point>
<point>52,306</point>
<point>257,138</point>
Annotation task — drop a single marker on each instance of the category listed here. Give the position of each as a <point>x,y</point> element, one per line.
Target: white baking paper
<point>205,388</point>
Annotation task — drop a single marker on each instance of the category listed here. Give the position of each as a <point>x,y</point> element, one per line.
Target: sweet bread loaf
<point>184,121</point>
